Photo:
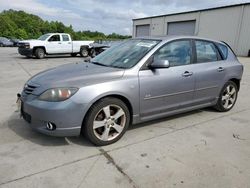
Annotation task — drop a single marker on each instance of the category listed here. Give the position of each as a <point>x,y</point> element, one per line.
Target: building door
<point>142,30</point>
<point>181,28</point>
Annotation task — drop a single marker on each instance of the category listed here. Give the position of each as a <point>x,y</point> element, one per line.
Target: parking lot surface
<point>203,148</point>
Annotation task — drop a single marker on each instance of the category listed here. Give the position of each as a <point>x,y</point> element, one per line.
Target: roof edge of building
<point>193,11</point>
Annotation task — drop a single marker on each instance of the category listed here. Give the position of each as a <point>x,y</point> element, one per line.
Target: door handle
<point>187,74</point>
<point>59,43</point>
<point>69,42</point>
<point>220,69</point>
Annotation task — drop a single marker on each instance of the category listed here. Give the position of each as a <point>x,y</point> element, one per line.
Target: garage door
<point>142,30</point>
<point>181,28</point>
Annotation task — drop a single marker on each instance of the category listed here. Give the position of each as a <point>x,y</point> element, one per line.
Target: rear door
<point>209,71</point>
<point>167,89</point>
<point>66,44</point>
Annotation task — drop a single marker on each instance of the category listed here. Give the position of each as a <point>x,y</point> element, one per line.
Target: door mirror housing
<point>160,64</point>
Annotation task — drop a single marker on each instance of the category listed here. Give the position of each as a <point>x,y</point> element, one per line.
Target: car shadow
<point>160,120</point>
<point>50,57</point>
<point>22,129</point>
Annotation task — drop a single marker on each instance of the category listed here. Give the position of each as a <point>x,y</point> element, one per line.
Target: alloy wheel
<point>229,96</point>
<point>109,122</point>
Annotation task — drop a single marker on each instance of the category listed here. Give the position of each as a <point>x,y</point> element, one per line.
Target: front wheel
<point>106,121</point>
<point>39,53</point>
<point>228,97</point>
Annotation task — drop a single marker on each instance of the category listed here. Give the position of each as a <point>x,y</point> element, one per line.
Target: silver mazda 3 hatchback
<point>138,80</point>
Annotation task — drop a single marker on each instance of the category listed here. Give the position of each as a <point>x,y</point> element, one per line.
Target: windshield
<point>127,54</point>
<point>43,37</point>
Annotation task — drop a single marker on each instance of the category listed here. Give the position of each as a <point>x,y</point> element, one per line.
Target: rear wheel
<point>106,121</point>
<point>228,97</point>
<point>39,53</point>
<point>84,52</point>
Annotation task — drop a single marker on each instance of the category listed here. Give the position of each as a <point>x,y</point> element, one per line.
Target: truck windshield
<point>43,37</point>
<point>127,54</point>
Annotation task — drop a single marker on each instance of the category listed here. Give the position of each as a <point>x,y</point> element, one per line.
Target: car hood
<point>74,75</point>
<point>32,42</point>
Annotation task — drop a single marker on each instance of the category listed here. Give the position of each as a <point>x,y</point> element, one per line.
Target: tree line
<point>22,25</point>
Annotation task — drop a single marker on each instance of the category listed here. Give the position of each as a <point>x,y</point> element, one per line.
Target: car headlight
<point>27,45</point>
<point>57,94</point>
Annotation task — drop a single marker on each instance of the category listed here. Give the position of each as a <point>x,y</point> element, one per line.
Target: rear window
<point>206,52</point>
<point>65,37</point>
<point>224,50</point>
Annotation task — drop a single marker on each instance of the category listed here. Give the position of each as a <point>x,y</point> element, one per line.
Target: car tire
<point>227,98</point>
<point>39,53</point>
<point>73,54</point>
<point>84,52</point>
<point>1,45</point>
<point>93,53</point>
<point>106,121</point>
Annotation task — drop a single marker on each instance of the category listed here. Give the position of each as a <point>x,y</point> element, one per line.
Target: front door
<point>165,90</point>
<point>54,44</point>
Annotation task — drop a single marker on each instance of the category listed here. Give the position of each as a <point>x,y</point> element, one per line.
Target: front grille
<point>23,45</point>
<point>28,88</point>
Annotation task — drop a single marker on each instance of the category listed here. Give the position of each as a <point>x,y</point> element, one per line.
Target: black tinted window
<point>177,53</point>
<point>223,50</point>
<point>65,37</point>
<point>54,38</point>
<point>206,52</point>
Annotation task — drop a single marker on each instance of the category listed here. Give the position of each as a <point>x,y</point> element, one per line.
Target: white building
<point>229,23</point>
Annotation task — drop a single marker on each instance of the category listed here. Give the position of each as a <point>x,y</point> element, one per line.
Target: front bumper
<point>25,51</point>
<point>66,115</point>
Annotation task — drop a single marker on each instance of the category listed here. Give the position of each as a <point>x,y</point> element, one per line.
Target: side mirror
<point>160,64</point>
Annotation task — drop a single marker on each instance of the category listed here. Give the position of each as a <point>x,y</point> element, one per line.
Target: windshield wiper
<point>97,63</point>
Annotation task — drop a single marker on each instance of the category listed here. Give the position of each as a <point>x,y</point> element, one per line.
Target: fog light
<point>51,126</point>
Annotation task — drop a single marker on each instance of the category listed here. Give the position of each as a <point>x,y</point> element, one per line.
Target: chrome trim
<point>168,95</point>
<point>205,88</point>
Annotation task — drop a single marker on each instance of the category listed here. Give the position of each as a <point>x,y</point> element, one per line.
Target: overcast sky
<point>107,15</point>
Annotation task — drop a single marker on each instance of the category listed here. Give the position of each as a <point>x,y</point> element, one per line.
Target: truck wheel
<point>84,52</point>
<point>39,53</point>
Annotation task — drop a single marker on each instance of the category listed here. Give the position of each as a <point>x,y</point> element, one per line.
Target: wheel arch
<point>85,46</point>
<point>236,81</point>
<point>117,96</point>
<point>35,47</point>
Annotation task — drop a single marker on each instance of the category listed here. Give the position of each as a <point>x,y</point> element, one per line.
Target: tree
<point>19,24</point>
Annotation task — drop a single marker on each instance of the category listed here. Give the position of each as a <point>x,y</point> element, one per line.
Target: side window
<point>65,37</point>
<point>54,38</point>
<point>223,50</point>
<point>206,52</point>
<point>177,53</point>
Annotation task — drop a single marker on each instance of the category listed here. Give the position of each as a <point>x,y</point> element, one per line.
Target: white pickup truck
<point>54,43</point>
